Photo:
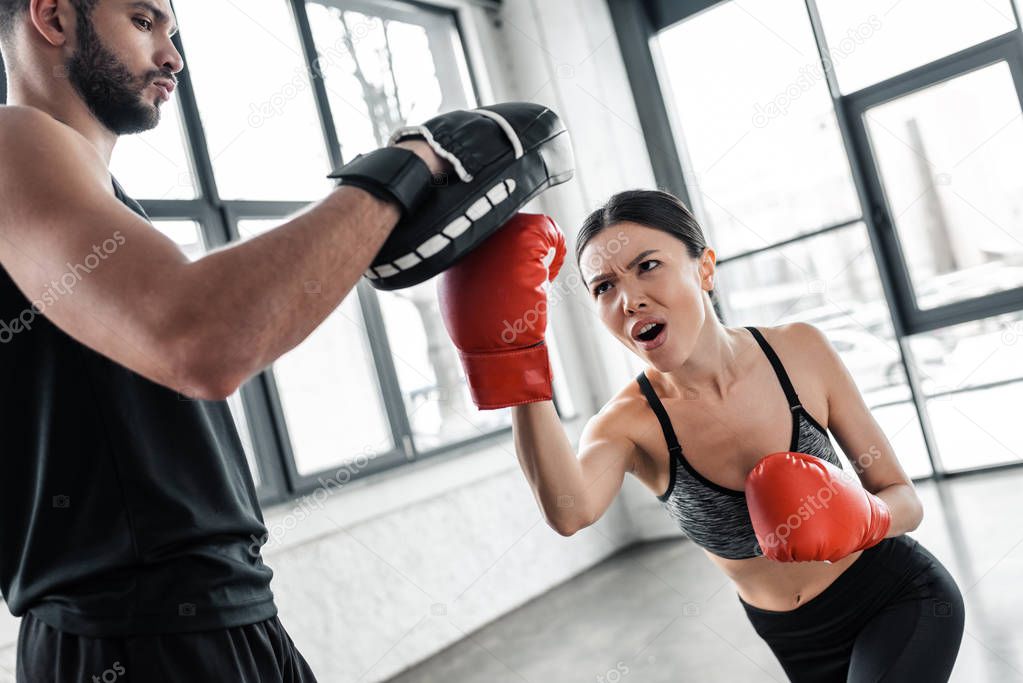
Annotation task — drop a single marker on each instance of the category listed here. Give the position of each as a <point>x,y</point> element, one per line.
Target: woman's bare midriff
<point>760,427</point>
<point>781,586</point>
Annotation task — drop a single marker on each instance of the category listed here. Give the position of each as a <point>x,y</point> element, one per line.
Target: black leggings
<point>895,614</point>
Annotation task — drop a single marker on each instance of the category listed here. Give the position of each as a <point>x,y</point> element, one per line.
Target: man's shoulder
<point>37,148</point>
<point>27,130</point>
<point>15,120</point>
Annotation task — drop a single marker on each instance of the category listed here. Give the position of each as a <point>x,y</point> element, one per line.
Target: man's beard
<point>107,86</point>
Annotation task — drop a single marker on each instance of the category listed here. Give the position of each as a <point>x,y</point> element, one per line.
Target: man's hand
<point>503,156</point>
<point>422,149</point>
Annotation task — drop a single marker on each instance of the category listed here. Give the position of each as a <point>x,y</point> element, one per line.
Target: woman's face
<point>648,290</point>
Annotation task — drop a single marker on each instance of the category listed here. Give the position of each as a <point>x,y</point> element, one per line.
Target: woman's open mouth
<point>649,333</point>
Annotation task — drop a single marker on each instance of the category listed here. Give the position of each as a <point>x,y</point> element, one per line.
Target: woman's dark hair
<point>654,209</point>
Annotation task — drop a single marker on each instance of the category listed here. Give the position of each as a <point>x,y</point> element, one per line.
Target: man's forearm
<point>247,304</point>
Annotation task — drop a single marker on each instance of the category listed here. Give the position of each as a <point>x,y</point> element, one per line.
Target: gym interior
<point>855,166</point>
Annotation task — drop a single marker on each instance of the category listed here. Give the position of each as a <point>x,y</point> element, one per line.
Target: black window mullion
<point>262,393</point>
<point>326,116</point>
<point>247,209</point>
<point>664,13</point>
<point>361,465</point>
<point>266,442</point>
<point>194,133</point>
<point>834,227</point>
<point>261,396</point>
<point>1015,13</point>
<point>879,230</point>
<point>387,374</point>
<point>634,30</point>
<point>913,320</point>
<point>178,210</point>
<point>272,437</point>
<point>3,82</point>
<point>272,407</point>
<point>894,271</point>
<point>213,224</point>
<point>1005,47</point>
<point>376,331</point>
<point>258,394</point>
<point>264,396</point>
<point>968,310</point>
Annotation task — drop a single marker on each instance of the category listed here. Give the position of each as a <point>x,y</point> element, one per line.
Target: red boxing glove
<point>494,304</point>
<point>806,509</point>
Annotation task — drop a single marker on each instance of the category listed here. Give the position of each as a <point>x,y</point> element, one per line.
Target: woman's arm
<point>573,492</point>
<point>859,435</point>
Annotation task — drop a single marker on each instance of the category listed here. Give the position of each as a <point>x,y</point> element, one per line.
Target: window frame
<point>637,24</point>
<point>263,401</point>
<point>217,218</point>
<point>1006,48</point>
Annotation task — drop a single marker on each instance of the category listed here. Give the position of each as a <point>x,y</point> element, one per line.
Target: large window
<point>760,175</point>
<point>258,113</point>
<point>189,238</point>
<point>857,166</point>
<point>245,143</point>
<point>379,383</point>
<point>163,153</point>
<point>949,162</point>
<point>904,34</point>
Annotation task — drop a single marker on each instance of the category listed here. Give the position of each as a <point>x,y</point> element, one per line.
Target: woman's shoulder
<point>797,343</point>
<point>794,331</point>
<point>618,416</point>
<point>806,354</point>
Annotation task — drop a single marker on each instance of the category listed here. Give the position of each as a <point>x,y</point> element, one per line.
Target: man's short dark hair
<point>11,10</point>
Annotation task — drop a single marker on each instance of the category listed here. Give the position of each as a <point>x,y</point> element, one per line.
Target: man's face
<point>123,49</point>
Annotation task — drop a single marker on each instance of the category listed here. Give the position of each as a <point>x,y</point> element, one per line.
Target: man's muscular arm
<point>201,328</point>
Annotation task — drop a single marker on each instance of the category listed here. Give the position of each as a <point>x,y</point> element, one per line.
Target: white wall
<point>391,570</point>
<point>565,54</point>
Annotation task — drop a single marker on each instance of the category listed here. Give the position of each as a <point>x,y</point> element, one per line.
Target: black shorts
<point>256,653</point>
<point>895,614</point>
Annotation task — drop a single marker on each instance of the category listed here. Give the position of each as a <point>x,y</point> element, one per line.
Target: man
<point>126,505</point>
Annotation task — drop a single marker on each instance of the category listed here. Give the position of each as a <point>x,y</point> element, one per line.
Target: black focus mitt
<point>503,155</point>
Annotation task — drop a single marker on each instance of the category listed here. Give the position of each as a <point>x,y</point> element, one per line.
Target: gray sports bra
<point>715,517</point>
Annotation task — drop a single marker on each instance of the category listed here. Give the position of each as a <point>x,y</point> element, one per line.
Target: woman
<point>694,428</point>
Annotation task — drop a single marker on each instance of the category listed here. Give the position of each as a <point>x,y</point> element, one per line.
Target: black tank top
<point>125,508</point>
<point>715,517</point>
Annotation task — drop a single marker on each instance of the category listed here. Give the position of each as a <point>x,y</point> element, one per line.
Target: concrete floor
<point>662,612</point>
